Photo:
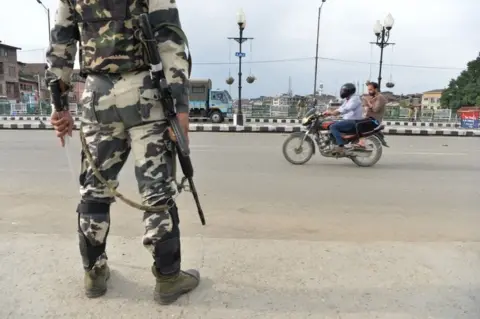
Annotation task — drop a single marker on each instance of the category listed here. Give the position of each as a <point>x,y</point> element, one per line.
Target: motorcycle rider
<point>374,103</point>
<point>351,111</point>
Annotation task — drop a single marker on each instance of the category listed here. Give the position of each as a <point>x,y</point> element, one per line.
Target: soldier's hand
<point>63,124</point>
<point>184,122</point>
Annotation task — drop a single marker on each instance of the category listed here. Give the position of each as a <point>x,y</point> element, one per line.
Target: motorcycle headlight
<point>305,120</point>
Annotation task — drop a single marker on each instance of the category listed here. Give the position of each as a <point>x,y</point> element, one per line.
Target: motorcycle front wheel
<point>293,147</point>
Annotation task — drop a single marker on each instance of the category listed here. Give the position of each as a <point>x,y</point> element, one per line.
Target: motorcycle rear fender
<point>381,137</point>
<point>308,139</point>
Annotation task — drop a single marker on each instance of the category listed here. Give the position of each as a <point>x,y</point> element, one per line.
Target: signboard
<point>469,119</point>
<point>240,54</point>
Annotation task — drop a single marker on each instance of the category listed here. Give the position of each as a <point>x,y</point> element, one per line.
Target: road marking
<point>214,148</point>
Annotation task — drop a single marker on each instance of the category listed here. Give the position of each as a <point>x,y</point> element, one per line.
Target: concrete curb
<point>271,129</point>
<point>254,120</point>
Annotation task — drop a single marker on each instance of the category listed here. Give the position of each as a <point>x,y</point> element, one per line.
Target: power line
<point>329,59</point>
<point>309,59</point>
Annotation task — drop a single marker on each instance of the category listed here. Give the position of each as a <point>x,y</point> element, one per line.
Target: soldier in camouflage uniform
<point>121,113</point>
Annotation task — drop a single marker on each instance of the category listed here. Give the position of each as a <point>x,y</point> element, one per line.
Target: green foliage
<point>465,89</point>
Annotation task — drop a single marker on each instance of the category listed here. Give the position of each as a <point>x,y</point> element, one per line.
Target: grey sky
<point>440,33</point>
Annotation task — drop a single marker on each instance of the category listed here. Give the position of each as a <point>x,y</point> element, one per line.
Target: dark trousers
<point>345,126</point>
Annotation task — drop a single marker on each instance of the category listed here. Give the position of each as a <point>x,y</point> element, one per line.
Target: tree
<point>465,89</point>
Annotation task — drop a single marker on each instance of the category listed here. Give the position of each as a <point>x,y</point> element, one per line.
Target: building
<point>286,99</point>
<point>37,70</point>
<point>9,84</point>
<point>28,89</point>
<point>431,99</point>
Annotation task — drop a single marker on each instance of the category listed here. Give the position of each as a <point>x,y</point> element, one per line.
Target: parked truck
<point>217,105</point>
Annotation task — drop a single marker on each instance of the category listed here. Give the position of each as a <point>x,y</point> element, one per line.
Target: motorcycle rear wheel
<point>308,144</point>
<point>377,146</point>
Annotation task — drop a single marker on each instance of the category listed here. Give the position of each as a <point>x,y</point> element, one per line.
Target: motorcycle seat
<point>349,136</point>
<point>375,130</point>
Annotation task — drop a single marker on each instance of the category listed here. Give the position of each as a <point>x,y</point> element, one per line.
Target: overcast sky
<point>432,33</point>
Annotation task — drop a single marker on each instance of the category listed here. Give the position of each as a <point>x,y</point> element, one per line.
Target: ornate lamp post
<point>382,32</point>
<point>238,118</point>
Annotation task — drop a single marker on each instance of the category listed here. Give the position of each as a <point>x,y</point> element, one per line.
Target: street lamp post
<point>238,118</point>
<point>316,52</point>
<point>383,35</point>
<point>47,10</point>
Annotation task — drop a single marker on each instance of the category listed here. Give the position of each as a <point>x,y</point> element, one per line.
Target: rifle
<point>167,100</point>
<point>59,98</point>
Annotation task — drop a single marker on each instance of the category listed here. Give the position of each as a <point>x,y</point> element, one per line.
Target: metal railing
<point>263,111</point>
<point>392,114</point>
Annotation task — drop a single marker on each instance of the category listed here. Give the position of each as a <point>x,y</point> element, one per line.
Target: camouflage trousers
<point>122,114</point>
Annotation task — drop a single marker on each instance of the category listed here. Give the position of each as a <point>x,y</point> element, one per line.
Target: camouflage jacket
<point>106,31</point>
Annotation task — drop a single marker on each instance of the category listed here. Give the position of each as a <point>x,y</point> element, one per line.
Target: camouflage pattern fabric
<point>122,114</point>
<point>93,228</point>
<point>110,43</point>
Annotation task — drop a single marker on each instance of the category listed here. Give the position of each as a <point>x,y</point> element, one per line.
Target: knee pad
<point>93,228</point>
<point>167,250</point>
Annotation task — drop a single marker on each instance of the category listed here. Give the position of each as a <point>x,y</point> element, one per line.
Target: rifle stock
<point>167,100</point>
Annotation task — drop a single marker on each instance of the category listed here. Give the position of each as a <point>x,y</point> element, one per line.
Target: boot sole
<point>166,299</point>
<point>95,293</point>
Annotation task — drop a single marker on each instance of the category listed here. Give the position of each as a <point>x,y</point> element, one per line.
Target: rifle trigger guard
<point>182,186</point>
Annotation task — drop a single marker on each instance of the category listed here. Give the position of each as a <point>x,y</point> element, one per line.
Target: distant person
<point>301,106</point>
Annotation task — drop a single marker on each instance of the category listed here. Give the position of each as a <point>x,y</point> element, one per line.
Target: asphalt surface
<point>323,240</point>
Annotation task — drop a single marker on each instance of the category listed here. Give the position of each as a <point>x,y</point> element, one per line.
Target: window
<point>228,96</point>
<point>198,89</point>
<point>10,89</point>
<point>438,100</point>
<point>219,96</point>
<point>2,71</point>
<point>1,89</point>
<point>432,100</point>
<point>425,99</point>
<point>12,71</point>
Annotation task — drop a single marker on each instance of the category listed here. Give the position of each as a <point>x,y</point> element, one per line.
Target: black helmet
<point>347,90</point>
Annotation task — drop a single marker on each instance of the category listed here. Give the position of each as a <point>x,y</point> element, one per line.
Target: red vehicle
<point>317,132</point>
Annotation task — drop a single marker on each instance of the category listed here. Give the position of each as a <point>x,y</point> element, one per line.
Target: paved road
<point>324,240</point>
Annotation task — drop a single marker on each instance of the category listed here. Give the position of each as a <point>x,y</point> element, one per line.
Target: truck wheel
<point>216,117</point>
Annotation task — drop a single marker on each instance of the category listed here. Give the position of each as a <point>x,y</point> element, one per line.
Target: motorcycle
<point>317,132</point>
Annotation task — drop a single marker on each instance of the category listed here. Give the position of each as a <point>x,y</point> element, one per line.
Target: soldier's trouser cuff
<point>167,253</point>
<point>93,228</point>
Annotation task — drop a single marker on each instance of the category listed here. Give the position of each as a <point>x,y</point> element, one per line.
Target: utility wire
<point>309,59</point>
<point>330,59</point>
